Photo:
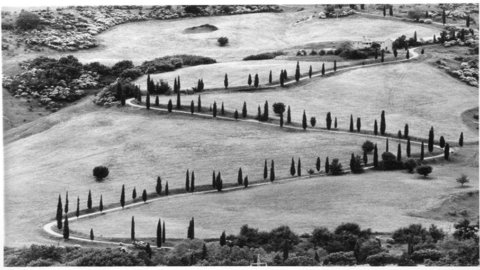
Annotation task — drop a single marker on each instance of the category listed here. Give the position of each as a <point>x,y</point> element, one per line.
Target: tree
<point>463,179</point>
<point>223,239</point>
<point>446,152</point>
<point>323,69</point>
<point>283,239</point>
<point>214,181</point>
<point>460,140</point>
<point>89,200</point>
<point>310,72</point>
<point>256,81</point>
<point>356,164</point>
<point>240,177</point>
<point>27,20</point>
<point>405,131</point>
<point>66,203</point>
<point>408,54</point>
<point>304,121</point>
<point>334,65</point>
<point>329,120</point>
<point>225,81</point>
<point>187,181</point>
<point>157,101</point>
<point>191,229</point>
<point>292,168</point>
<point>144,196</point>
<point>278,108</point>
<point>192,182</point>
<point>336,167</point>
<point>384,11</point>
<point>375,128</point>
<point>192,107</point>
<point>375,156</point>
<point>265,170</point>
<point>430,140</point>
<point>272,171</point>
<point>265,111</point>
<point>244,109</point>
<point>179,103</point>
<point>399,152</point>
<point>77,212</point>
<point>365,158</point>
<point>66,229</point>
<point>351,123</point>
<point>164,231</point>
<point>122,197</point>
<point>249,81</point>
<point>443,17</point>
<point>159,233</point>
<point>282,79</point>
<point>395,53</point>
<point>222,41</point>
<point>235,115</point>
<point>169,106</point>
<point>468,21</point>
<point>158,187</point>
<point>219,182</point>
<point>383,125</point>
<point>59,212</point>
<point>386,145</point>
<point>359,124</point>
<point>327,166</point>
<point>281,120</point>
<point>376,54</point>
<point>335,125</point>
<point>132,229</point>
<point>270,77</point>
<point>259,114</point>
<point>285,75</point>
<point>122,94</point>
<point>199,104</point>
<point>299,167</point>
<point>92,237</point>
<point>147,102</point>
<point>100,172</point>
<point>408,147</point>
<point>222,109</point>
<point>423,51</point>
<point>383,55</point>
<point>289,117</point>
<point>313,121</point>
<point>134,193</point>
<point>317,165</point>
<point>442,142</point>
<point>391,10</point>
<point>297,72</point>
<point>424,170</point>
<point>214,109</point>
<point>422,151</point>
<point>245,182</point>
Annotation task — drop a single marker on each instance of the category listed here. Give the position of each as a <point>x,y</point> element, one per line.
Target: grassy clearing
<point>379,200</point>
<point>412,93</point>
<point>139,146</point>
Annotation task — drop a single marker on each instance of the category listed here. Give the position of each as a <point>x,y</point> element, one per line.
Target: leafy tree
<point>240,177</point>
<point>430,140</point>
<point>297,72</point>
<point>256,81</point>
<point>278,108</point>
<point>329,120</point>
<point>249,81</point>
<point>446,152</point>
<point>27,20</point>
<point>244,109</point>
<point>375,156</point>
<point>299,167</point>
<point>134,193</point>
<point>465,231</point>
<point>317,165</point>
<point>283,239</point>
<point>424,170</point>
<point>367,146</point>
<point>359,124</point>
<point>382,123</point>
<point>272,172</point>
<point>225,81</point>
<point>304,121</point>
<point>313,121</point>
<point>460,140</point>
<point>292,168</point>
<point>100,172</point>
<point>336,167</point>
<point>351,123</point>
<point>59,212</point>
<point>122,197</point>
<point>66,229</point>
<point>222,41</point>
<point>289,118</point>
<point>132,229</point>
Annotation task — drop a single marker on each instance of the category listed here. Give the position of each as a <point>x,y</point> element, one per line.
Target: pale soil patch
<point>412,93</point>
<point>138,148</point>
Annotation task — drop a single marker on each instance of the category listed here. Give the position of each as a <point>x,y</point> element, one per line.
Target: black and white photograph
<point>256,133</point>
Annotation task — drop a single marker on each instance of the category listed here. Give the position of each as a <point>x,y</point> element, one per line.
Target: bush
<point>108,258</point>
<point>100,172</point>
<point>27,20</point>
<point>278,108</point>
<point>172,62</point>
<point>336,167</point>
<point>368,248</point>
<point>405,260</point>
<point>424,170</point>
<point>340,258</point>
<point>356,165</point>
<point>263,56</point>
<point>390,162</point>
<point>420,255</point>
<point>193,9</point>
<point>119,67</point>
<point>131,73</point>
<point>415,231</point>
<point>299,261</point>
<point>368,146</point>
<point>41,262</point>
<point>381,259</point>
<point>410,164</point>
<point>222,41</point>
<point>98,68</point>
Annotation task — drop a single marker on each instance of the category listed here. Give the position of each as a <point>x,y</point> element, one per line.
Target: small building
<point>367,43</point>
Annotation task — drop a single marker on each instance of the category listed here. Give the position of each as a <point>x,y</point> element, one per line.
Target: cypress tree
<point>383,125</point>
<point>192,107</point>
<point>199,105</point>
<point>442,142</point>
<point>240,177</point>
<point>89,200</point>
<point>310,72</point>
<point>144,196</point>
<point>318,164</point>
<point>405,131</point>
<point>460,140</point>
<point>249,81</point>
<point>132,229</point>
<point>323,69</point>
<point>270,77</point>
<point>225,81</point>
<point>147,103</point>
<point>272,171</point>
<point>304,121</point>
<point>282,79</point>
<point>434,39</point>
<point>122,197</point>
<point>166,189</point>
<point>359,124</point>
<point>259,114</point>
<point>192,228</point>
<point>408,54</point>
<point>446,152</point>
<point>100,207</point>
<point>399,152</point>
<point>213,180</point>
<point>265,170</point>
<point>423,51</point>
<point>222,109</point>
<point>66,229</point>
<point>386,146</point>
<point>157,102</point>
<point>468,21</point>
<point>351,123</point>
<point>365,158</point>
<point>245,182</point>
<point>443,17</point>
<point>327,166</point>
<point>297,72</point>
<point>214,109</point>
<point>289,117</point>
<point>187,181</point>
<point>134,193</point>
<point>158,187</point>
<point>164,231</point>
<point>335,125</point>
<point>422,151</point>
<point>148,250</point>
<point>223,239</point>
<point>66,203</point>
<point>256,81</point>
<point>426,14</point>
<point>92,237</point>
<point>299,167</point>
<point>375,128</point>
<point>292,168</point>
<point>399,134</point>
<point>383,55</point>
<point>59,212</point>
<point>178,83</point>
<point>375,156</point>
<point>244,109</point>
<point>352,162</point>
<point>235,115</point>
<point>395,53</point>
<point>192,182</point>
<point>384,11</point>
<point>265,111</point>
<point>285,76</point>
<point>391,10</point>
<point>122,94</point>
<point>77,213</point>
<point>281,120</point>
<point>179,104</point>
<point>408,147</point>
<point>415,36</point>
<point>329,120</point>
<point>169,106</point>
<point>376,54</point>
<point>219,183</point>
<point>430,140</point>
<point>334,65</point>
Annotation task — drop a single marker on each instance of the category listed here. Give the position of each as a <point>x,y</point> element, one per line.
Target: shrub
<point>368,248</point>
<point>463,179</point>
<point>41,262</point>
<point>420,255</point>
<point>222,41</point>
<point>321,52</point>
<point>340,258</point>
<point>381,259</point>
<point>299,261</point>
<point>98,68</point>
<point>336,167</point>
<point>27,20</point>
<point>278,108</point>
<point>415,232</point>
<point>119,67</point>
<point>321,237</point>
<point>193,9</point>
<point>405,260</point>
<point>131,73</point>
<point>410,164</point>
<point>424,170</point>
<point>356,165</point>
<point>263,56</point>
<point>390,162</point>
<point>100,172</point>
<point>368,146</point>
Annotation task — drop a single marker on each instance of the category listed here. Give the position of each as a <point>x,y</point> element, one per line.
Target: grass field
<point>413,93</point>
<point>139,146</point>
<point>379,200</point>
